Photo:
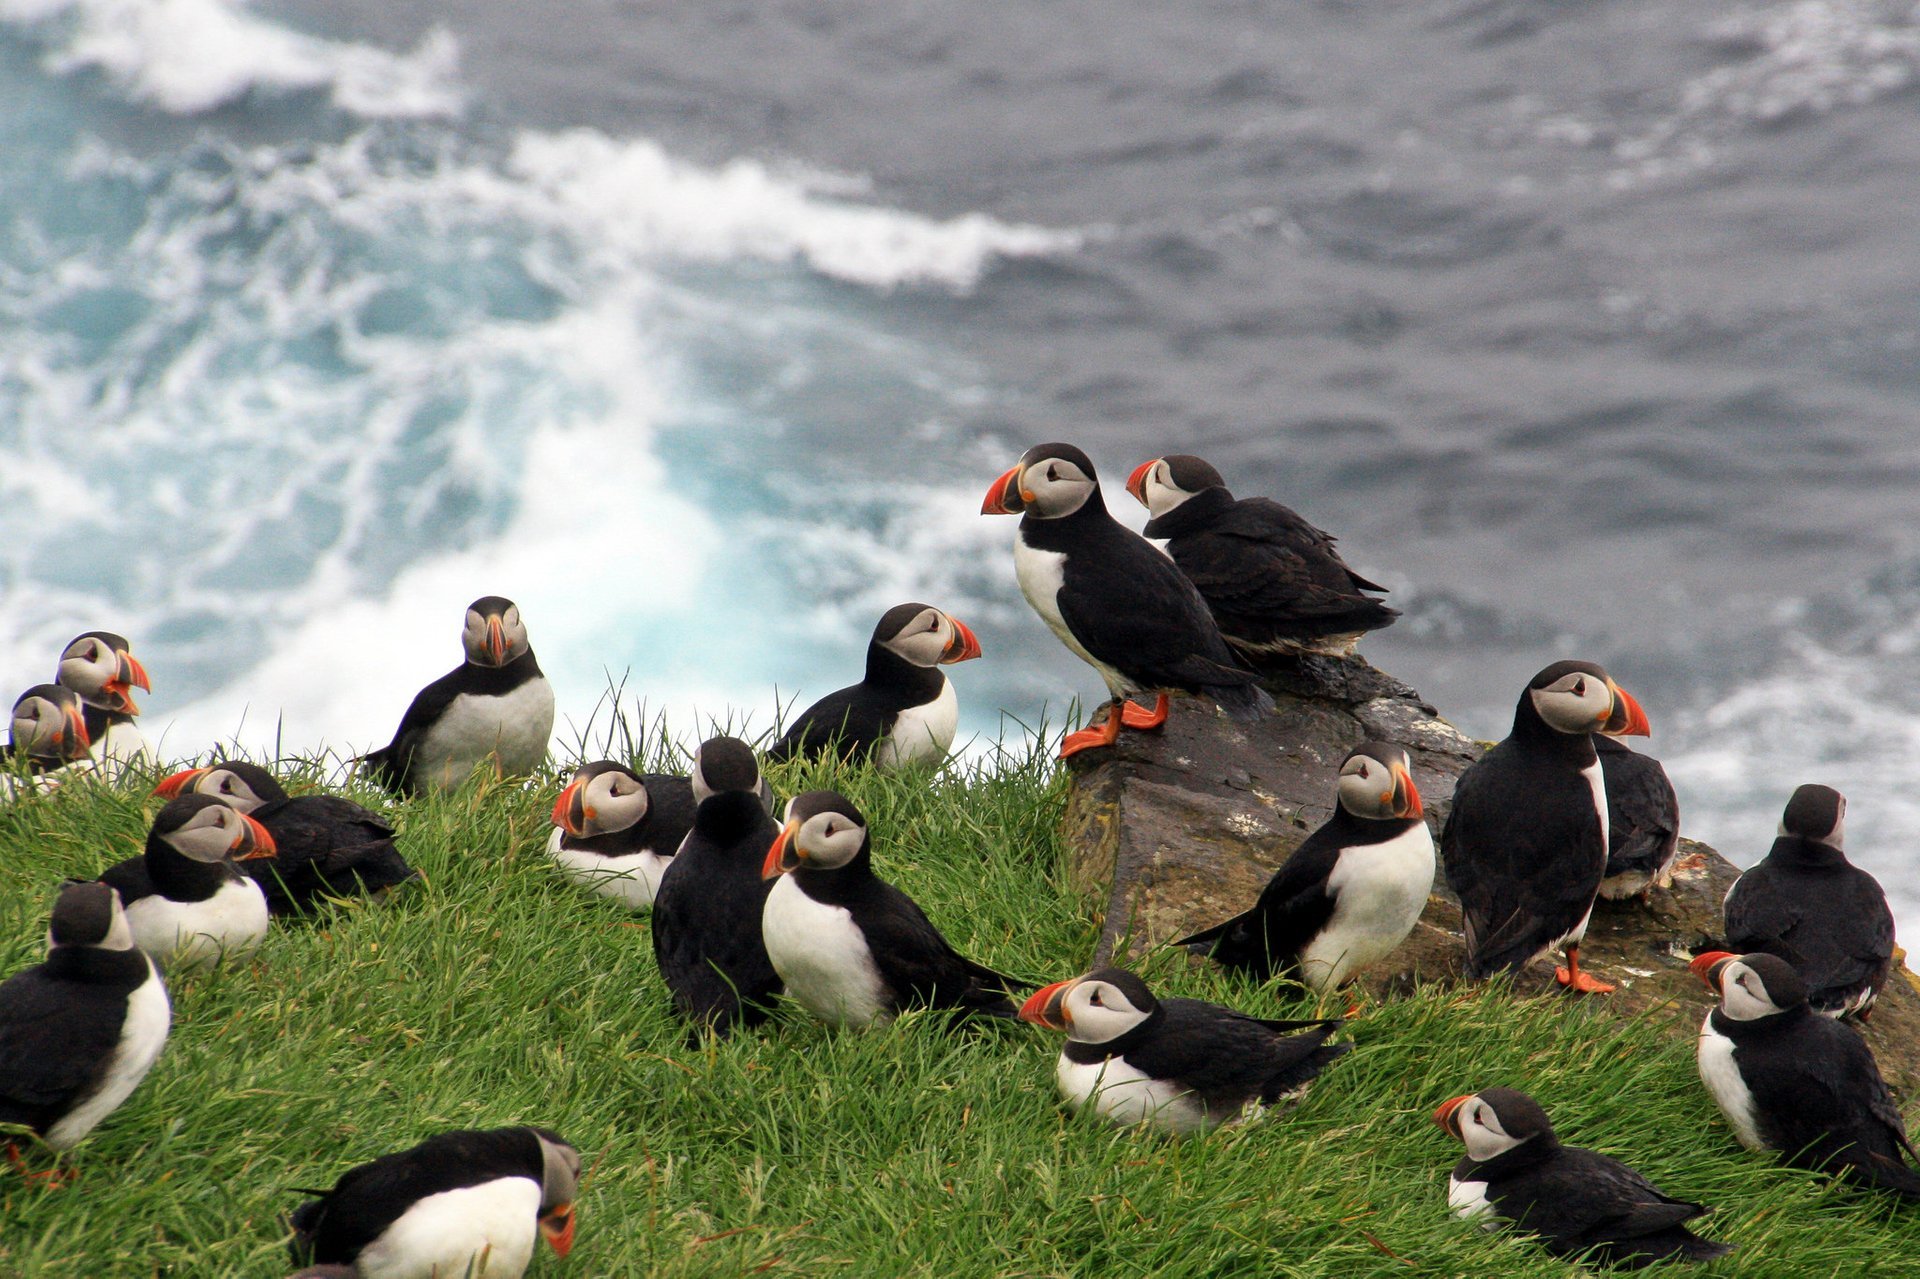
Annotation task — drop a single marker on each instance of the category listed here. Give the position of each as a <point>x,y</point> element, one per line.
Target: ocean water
<point>700,330</point>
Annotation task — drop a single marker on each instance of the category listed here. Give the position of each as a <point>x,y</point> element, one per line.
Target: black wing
<point>1291,911</point>
<point>55,1039</point>
<point>1643,813</point>
<point>1834,926</point>
<point>1843,1117</point>
<point>706,936</point>
<point>367,1199</point>
<point>844,721</point>
<point>921,967</point>
<point>1228,1059</point>
<point>1269,574</point>
<point>130,879</point>
<point>327,846</point>
<point>392,764</point>
<point>1581,1199</point>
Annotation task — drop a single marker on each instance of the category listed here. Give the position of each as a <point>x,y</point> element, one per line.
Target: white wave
<point>1812,56</point>
<point>190,56</point>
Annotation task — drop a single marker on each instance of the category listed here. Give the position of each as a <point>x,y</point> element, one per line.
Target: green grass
<point>498,993</point>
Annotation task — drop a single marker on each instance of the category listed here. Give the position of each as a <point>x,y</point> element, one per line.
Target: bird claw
<point>1136,717</point>
<point>1074,743</point>
<point>1583,983</point>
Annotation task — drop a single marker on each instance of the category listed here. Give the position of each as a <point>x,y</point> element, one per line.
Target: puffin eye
<point>1580,688</point>
<point>1053,473</point>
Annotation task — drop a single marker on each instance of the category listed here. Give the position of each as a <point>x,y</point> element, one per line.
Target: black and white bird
<point>904,712</point>
<point>1177,1065</point>
<point>187,899</point>
<point>101,668</point>
<point>615,830</point>
<point>1274,582</point>
<point>1805,902</point>
<point>495,708</point>
<point>79,1031</point>
<point>1643,821</point>
<point>472,1204</point>
<point>1350,893</point>
<point>325,845</point>
<point>47,741</point>
<point>1792,1081</point>
<point>1113,598</point>
<point>850,947</point>
<point>1581,1204</point>
<point>1525,846</point>
<point>706,914</point>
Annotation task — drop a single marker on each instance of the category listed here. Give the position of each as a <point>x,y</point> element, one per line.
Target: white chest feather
<point>922,734</point>
<point>1469,1201</point>
<point>633,878</point>
<point>142,1035</point>
<point>122,745</point>
<point>477,1232</point>
<point>1379,892</point>
<point>187,935</point>
<point>1597,780</point>
<point>1120,1094</point>
<point>822,957</point>
<point>1718,1072</point>
<point>1041,574</point>
<point>513,729</point>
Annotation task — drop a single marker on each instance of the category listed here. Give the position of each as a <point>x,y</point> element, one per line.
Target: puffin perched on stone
<point>850,947</point>
<point>1112,598</point>
<point>47,739</point>
<point>101,668</point>
<point>1350,893</point>
<point>472,1204</point>
<point>1525,845</point>
<point>1643,821</point>
<point>1274,582</point>
<point>1808,904</point>
<point>904,711</point>
<point>187,900</point>
<point>79,1031</point>
<point>496,706</point>
<point>1581,1204</point>
<point>1794,1082</point>
<point>325,846</point>
<point>1176,1065</point>
<point>615,830</point>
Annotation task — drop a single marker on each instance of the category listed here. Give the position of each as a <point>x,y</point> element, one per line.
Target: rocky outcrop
<point>1173,831</point>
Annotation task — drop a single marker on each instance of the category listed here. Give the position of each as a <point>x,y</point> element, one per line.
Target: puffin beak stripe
<point>557,1229</point>
<point>1406,796</point>
<point>1137,482</point>
<point>77,725</point>
<point>782,856</point>
<point>132,673</point>
<point>564,815</point>
<point>497,641</point>
<point>964,646</point>
<point>1004,496</point>
<point>1448,1109</point>
<point>1707,967</point>
<point>1044,1006</point>
<point>1625,719</point>
<point>263,845</point>
<point>175,786</point>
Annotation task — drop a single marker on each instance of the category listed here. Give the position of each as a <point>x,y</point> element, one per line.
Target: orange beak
<point>782,856</point>
<point>1044,1006</point>
<point>262,842</point>
<point>1448,1108</point>
<point>177,785</point>
<point>497,641</point>
<point>565,815</point>
<point>963,645</point>
<point>1406,796</point>
<point>77,725</point>
<point>1137,482</point>
<point>1707,967</point>
<point>557,1229</point>
<point>1005,497</point>
<point>1626,719</point>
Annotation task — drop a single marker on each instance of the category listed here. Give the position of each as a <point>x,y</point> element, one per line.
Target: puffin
<point>1643,821</point>
<point>706,914</point>
<point>1792,1081</point>
<point>1177,1066</point>
<point>1274,582</point>
<point>187,900</point>
<point>1349,894</point>
<point>79,1031</point>
<point>101,668</point>
<point>904,712</point>
<point>850,947</point>
<point>47,741</point>
<point>1526,843</point>
<point>495,707</point>
<point>326,846</point>
<point>473,1203</point>
<point>615,830</point>
<point>1805,902</point>
<point>1113,598</point>
<point>1580,1204</point>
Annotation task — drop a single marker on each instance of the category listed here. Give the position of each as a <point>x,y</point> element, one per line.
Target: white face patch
<point>613,801</point>
<point>829,841</point>
<point>1482,1132</point>
<point>1099,1012</point>
<point>229,788</point>
<point>208,836</point>
<point>1577,702</point>
<point>1366,788</point>
<point>1743,996</point>
<point>88,666</point>
<point>1162,493</point>
<point>1058,486</point>
<point>924,640</point>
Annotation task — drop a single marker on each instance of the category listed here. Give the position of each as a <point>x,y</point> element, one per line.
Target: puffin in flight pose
<point>326,846</point>
<point>80,1031</point>
<point>1176,1065</point>
<point>101,668</point>
<point>1350,893</point>
<point>48,739</point>
<point>1526,843</point>
<point>1112,598</point>
<point>852,948</point>
<point>1792,1081</point>
<point>1805,902</point>
<point>496,706</point>
<point>472,1204</point>
<point>1581,1204</point>
<point>1274,582</point>
<point>1643,821</point>
<point>615,830</point>
<point>904,711</point>
<point>187,901</point>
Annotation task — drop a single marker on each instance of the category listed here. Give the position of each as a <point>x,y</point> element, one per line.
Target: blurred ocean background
<point>1590,327</point>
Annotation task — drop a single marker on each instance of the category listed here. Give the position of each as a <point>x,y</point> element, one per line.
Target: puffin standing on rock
<point>1350,893</point>
<point>615,831</point>
<point>101,668</point>
<point>904,712</point>
<point>1177,1065</point>
<point>496,706</point>
<point>187,900</point>
<point>1580,1203</point>
<point>1274,582</point>
<point>1805,902</point>
<point>1111,597</point>
<point>1525,846</point>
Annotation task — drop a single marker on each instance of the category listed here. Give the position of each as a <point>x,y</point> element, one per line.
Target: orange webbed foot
<point>1582,983</point>
<point>1134,717</point>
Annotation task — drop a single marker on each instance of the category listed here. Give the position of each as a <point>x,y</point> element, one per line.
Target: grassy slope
<point>497,993</point>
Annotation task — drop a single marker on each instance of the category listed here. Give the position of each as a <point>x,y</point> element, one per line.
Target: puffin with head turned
<point>615,831</point>
<point>1113,598</point>
<point>188,902</point>
<point>496,707</point>
<point>1274,582</point>
<point>904,712</point>
<point>48,739</point>
<point>1525,845</point>
<point>101,668</point>
<point>1805,902</point>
